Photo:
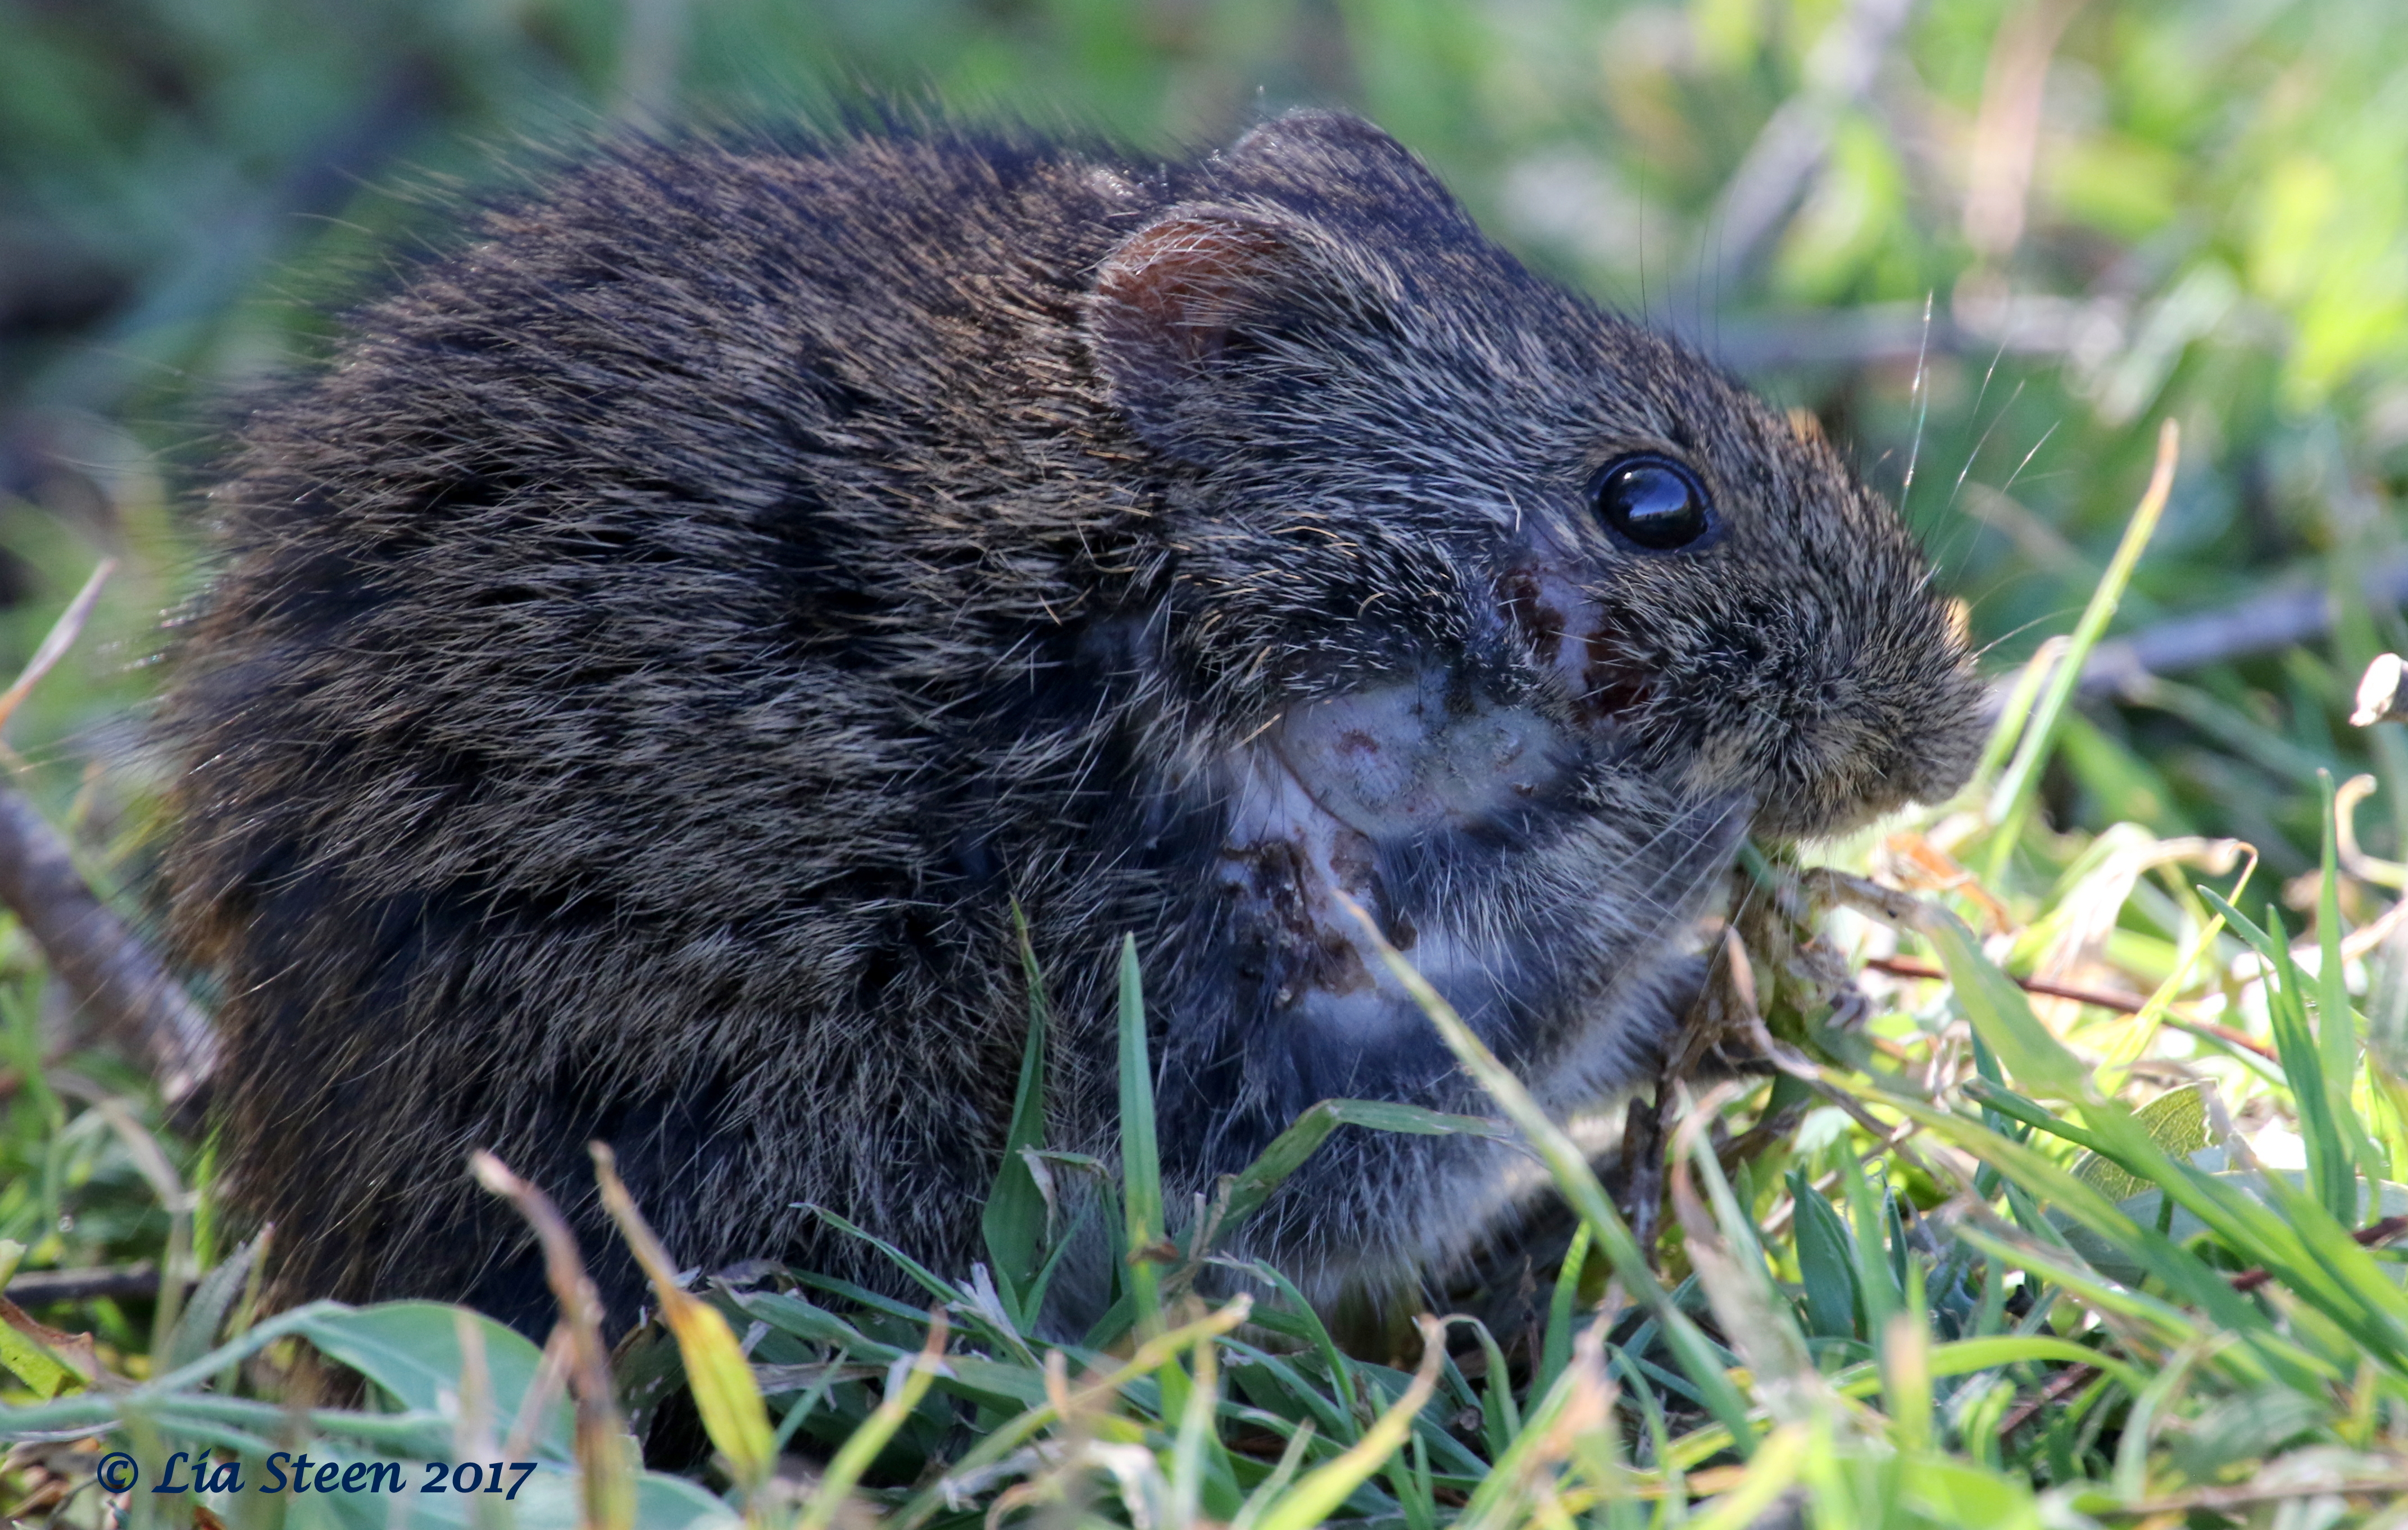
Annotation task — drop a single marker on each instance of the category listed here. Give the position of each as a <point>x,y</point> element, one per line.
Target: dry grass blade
<point>724,1390</point>
<point>55,643</point>
<point>906,1385</point>
<point>606,1453</point>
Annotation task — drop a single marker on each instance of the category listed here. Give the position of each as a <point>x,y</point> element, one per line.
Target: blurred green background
<point>1991,245</point>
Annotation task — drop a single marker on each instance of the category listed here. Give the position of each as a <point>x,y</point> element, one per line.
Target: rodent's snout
<point>1859,731</point>
<point>1831,690</point>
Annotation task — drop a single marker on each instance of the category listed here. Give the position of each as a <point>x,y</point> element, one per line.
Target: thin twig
<point>1898,966</point>
<point>2247,1280</point>
<point>2128,1004</point>
<point>2071,1379</point>
<point>42,1287</point>
<point>2277,619</point>
<point>60,638</point>
<point>114,977</point>
<point>2381,1232</point>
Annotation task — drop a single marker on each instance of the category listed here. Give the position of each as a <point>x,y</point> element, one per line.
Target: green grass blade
<point>928,1279</point>
<point>1555,1348</point>
<point>1342,1425</point>
<point>2017,712</point>
<point>1503,1498</point>
<point>2338,1038</point>
<point>1141,1160</point>
<point>2010,803</point>
<point>1968,1355</point>
<point>1825,1261</point>
<point>1012,1225</point>
<point>2332,1167</point>
<point>999,1443</point>
<point>1328,1416</point>
<point>2183,1272</point>
<point>2164,1321</point>
<point>1876,1288</point>
<point>1729,1262</point>
<point>1319,1492</point>
<point>2001,1016</point>
<point>1288,1151</point>
<point>906,1383</point>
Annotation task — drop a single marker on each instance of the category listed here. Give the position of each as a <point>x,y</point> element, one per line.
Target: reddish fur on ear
<point>1172,291</point>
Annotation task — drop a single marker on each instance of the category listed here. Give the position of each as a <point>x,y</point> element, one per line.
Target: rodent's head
<point>1395,457</point>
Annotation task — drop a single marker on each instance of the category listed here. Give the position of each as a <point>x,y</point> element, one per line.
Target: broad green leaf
<point>2176,1122</point>
<point>2146,1207</point>
<point>1825,1261</point>
<point>413,1350</point>
<point>31,1362</point>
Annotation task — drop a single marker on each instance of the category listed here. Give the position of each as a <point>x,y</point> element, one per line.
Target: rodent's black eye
<point>1654,501</point>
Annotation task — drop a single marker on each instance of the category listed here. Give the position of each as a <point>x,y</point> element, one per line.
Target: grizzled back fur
<point>649,665</point>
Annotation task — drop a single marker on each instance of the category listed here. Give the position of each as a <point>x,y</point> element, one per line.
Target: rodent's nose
<point>1928,762</point>
<point>1938,773</point>
<point>1880,748</point>
<point>1935,758</point>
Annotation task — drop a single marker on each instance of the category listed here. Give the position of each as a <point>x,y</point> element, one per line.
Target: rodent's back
<point>653,662</point>
<point>554,729</point>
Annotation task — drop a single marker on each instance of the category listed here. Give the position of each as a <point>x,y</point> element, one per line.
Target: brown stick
<point>115,979</point>
<point>2381,1232</point>
<point>42,1287</point>
<point>2129,1003</point>
<point>2274,619</point>
<point>2247,1280</point>
<point>1898,966</point>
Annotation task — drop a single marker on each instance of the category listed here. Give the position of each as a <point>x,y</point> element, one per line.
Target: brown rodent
<point>649,662</point>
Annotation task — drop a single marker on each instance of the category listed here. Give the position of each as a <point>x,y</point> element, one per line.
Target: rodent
<point>648,665</point>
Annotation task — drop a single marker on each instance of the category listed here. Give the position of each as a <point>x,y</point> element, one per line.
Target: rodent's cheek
<point>1404,760</point>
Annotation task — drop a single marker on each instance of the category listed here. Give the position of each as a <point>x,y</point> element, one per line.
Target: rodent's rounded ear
<point>1171,299</point>
<point>1333,159</point>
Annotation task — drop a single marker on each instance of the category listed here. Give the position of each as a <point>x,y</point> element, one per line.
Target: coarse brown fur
<point>649,662</point>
